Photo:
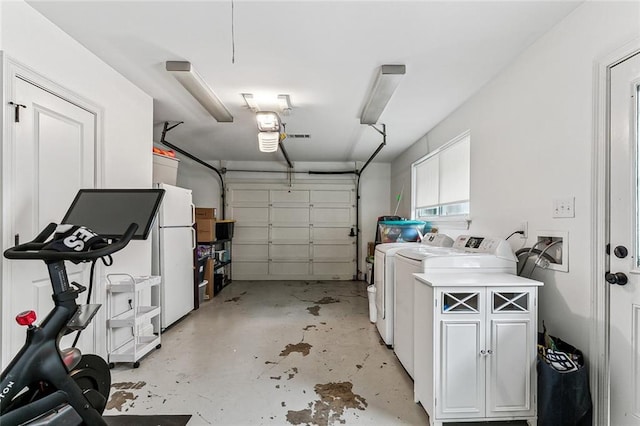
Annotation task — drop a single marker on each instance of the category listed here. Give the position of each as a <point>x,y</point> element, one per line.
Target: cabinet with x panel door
<point>475,346</point>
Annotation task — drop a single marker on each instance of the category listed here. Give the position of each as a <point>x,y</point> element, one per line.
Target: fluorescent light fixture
<point>386,82</point>
<point>251,102</point>
<point>284,102</point>
<point>192,81</point>
<point>268,121</point>
<point>268,141</point>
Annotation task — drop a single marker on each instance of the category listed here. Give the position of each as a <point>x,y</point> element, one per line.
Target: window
<point>441,181</point>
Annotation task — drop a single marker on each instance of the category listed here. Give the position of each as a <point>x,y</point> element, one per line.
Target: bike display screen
<point>109,212</point>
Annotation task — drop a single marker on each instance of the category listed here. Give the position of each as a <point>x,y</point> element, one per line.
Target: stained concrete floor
<point>272,353</point>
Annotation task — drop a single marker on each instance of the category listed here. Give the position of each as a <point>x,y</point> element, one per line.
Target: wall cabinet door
<point>462,337</point>
<point>510,366</point>
<point>462,373</point>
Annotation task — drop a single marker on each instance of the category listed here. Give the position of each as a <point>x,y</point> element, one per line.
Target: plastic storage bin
<point>201,289</point>
<point>373,311</point>
<point>224,229</point>
<point>392,231</point>
<point>165,169</point>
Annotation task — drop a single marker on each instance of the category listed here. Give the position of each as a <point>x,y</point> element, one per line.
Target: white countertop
<point>474,279</point>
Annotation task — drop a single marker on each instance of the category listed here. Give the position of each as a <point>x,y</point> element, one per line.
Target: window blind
<point>454,173</point>
<point>443,177</point>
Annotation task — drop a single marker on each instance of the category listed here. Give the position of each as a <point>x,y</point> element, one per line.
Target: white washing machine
<point>383,271</point>
<point>468,254</point>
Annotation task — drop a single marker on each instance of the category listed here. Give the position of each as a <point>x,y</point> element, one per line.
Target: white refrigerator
<point>174,240</point>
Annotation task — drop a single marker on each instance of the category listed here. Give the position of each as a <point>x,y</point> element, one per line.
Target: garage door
<point>298,233</point>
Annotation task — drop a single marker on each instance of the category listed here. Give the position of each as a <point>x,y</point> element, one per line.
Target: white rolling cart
<point>134,317</point>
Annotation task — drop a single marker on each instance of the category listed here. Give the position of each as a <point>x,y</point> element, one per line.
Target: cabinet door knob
<point>489,351</point>
<point>483,352</point>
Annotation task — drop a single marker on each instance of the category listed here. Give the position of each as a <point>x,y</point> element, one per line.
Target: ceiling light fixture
<point>284,102</point>
<point>268,121</point>
<point>268,131</point>
<point>192,81</point>
<point>250,101</point>
<point>268,141</point>
<point>386,82</point>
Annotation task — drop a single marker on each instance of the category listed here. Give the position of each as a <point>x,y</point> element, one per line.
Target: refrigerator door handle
<point>193,238</point>
<point>193,213</point>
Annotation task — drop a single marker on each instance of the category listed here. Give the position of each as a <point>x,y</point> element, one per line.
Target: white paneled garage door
<point>298,233</point>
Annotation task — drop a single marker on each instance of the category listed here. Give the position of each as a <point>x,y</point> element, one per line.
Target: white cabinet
<point>134,316</point>
<point>475,346</point>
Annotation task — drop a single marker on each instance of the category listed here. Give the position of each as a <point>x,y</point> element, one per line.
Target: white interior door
<point>53,155</point>
<point>624,245</point>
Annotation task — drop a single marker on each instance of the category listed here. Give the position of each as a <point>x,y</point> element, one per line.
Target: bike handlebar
<point>34,249</point>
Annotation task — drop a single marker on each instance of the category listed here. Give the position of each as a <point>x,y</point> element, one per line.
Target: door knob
<point>616,278</point>
<point>621,252</point>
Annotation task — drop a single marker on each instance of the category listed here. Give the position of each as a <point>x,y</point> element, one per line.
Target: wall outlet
<point>524,227</point>
<point>556,245</point>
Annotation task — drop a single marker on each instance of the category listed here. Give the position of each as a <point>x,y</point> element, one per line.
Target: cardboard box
<point>206,230</point>
<point>208,275</point>
<point>205,213</point>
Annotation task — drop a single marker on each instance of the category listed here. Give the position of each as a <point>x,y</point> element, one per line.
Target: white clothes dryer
<point>468,254</point>
<point>383,272</point>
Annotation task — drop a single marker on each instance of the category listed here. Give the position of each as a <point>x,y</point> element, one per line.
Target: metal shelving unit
<point>222,267</point>
<point>221,264</point>
<point>135,316</point>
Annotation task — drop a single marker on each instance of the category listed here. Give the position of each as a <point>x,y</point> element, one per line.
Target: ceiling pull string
<point>233,36</point>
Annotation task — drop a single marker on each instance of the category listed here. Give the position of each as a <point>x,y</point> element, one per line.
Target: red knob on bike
<point>26,318</point>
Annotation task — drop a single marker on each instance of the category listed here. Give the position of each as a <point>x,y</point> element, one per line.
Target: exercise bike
<point>44,385</point>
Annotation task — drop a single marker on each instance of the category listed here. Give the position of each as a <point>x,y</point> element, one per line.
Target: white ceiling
<point>324,54</point>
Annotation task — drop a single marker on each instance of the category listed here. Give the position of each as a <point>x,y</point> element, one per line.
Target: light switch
<point>564,207</point>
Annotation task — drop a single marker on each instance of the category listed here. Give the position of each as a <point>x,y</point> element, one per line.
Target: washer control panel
<point>479,244</point>
<point>437,240</point>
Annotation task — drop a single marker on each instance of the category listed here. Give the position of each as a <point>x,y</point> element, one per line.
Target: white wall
<point>374,202</point>
<point>531,141</point>
<point>374,186</point>
<point>126,113</point>
<point>204,183</point>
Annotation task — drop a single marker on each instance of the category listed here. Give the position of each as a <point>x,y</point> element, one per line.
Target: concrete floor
<point>270,352</point>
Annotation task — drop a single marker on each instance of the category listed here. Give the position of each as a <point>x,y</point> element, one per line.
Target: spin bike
<point>44,385</point>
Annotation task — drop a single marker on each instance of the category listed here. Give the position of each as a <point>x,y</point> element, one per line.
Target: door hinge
<point>16,117</point>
